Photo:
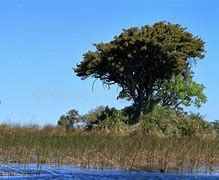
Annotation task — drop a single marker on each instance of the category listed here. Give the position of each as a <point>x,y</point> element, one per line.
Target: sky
<point>42,40</point>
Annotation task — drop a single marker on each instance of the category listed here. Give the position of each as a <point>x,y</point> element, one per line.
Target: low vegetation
<point>162,140</point>
<point>160,121</point>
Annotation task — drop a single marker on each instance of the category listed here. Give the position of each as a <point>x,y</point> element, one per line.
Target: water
<point>32,171</point>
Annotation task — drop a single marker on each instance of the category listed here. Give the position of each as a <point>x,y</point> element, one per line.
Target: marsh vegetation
<point>103,149</point>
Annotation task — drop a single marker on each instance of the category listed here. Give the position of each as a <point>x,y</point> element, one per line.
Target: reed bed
<point>98,150</point>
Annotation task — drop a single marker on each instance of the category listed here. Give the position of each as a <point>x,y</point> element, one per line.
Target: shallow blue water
<point>72,172</point>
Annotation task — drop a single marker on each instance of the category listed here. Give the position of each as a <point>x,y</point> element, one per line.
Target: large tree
<point>138,58</point>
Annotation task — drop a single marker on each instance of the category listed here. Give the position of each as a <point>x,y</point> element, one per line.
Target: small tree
<point>67,121</point>
<point>140,57</point>
<point>106,118</point>
<point>93,114</point>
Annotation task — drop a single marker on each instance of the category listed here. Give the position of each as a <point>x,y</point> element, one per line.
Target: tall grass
<point>98,150</point>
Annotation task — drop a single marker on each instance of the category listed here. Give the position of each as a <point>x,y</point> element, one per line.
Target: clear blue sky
<point>42,40</point>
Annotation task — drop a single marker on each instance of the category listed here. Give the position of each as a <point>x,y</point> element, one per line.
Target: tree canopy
<point>179,92</point>
<point>138,58</point>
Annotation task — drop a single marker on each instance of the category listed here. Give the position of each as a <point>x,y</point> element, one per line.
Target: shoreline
<point>29,170</point>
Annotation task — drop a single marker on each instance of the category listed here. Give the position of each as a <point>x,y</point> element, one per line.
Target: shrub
<point>109,119</point>
<point>163,121</point>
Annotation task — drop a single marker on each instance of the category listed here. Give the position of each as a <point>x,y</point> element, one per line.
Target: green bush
<point>163,121</point>
<point>109,119</point>
<point>192,124</point>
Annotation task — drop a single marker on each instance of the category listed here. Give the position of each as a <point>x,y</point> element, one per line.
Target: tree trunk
<point>149,92</point>
<point>144,100</point>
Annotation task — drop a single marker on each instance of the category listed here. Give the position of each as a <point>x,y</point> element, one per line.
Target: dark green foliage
<point>67,121</point>
<point>138,58</point>
<point>107,119</point>
<point>129,111</point>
